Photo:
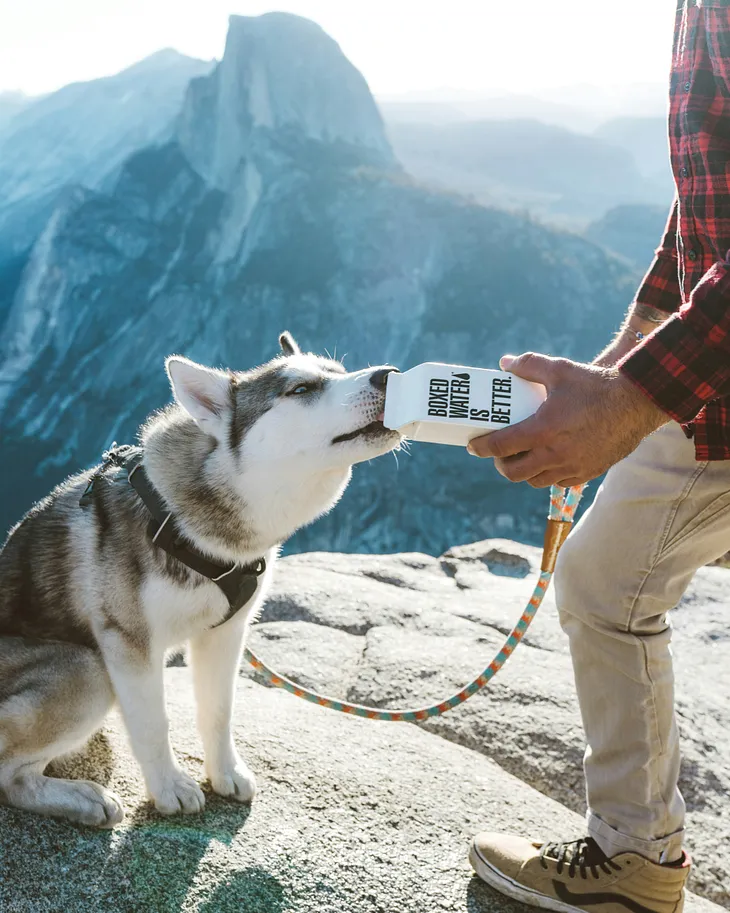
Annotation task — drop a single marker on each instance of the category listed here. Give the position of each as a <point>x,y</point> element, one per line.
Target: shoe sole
<point>511,888</point>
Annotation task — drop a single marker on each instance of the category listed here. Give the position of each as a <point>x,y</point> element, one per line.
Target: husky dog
<point>90,605</point>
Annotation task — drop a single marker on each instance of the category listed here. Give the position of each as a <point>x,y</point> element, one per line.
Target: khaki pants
<point>657,518</point>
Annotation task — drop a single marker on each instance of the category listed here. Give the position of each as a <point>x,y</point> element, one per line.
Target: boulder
<point>357,816</point>
<point>429,625</point>
<point>352,816</point>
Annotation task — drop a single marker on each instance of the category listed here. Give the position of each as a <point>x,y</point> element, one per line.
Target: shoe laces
<point>581,856</point>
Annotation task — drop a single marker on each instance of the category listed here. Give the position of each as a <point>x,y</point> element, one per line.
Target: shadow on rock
<point>148,864</point>
<point>95,761</point>
<point>480,898</point>
<point>251,890</point>
<point>153,865</point>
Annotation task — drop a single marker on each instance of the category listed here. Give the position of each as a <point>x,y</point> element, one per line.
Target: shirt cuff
<point>657,371</point>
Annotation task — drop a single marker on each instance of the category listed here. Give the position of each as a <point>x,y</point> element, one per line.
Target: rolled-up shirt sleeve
<point>685,363</point>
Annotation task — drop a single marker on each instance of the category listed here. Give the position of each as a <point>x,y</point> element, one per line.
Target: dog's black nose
<point>379,378</point>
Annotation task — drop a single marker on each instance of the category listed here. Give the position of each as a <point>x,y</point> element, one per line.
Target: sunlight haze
<point>402,46</point>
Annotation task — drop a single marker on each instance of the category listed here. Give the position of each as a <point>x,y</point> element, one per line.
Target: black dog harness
<point>238,582</point>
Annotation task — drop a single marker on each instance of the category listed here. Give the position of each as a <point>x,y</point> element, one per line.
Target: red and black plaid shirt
<point>684,365</point>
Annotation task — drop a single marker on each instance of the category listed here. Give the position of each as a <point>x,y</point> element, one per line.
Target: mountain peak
<point>162,59</point>
<point>278,21</point>
<point>278,72</point>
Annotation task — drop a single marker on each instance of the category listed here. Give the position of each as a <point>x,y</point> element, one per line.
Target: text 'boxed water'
<point>451,404</point>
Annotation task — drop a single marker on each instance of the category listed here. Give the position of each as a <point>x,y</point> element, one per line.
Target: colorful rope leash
<point>563,504</point>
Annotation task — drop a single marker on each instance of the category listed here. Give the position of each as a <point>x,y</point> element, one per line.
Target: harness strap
<point>237,582</point>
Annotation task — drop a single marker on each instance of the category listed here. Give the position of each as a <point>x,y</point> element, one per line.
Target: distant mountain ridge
<point>264,210</point>
<point>553,172</point>
<point>646,138</point>
<point>632,232</point>
<point>81,134</point>
<point>581,108</point>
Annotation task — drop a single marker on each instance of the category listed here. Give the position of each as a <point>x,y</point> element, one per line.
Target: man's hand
<point>592,418</point>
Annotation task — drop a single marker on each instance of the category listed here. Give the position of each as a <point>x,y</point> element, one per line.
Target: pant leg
<point>658,517</point>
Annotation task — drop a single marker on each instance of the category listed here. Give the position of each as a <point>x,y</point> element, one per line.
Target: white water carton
<point>451,404</point>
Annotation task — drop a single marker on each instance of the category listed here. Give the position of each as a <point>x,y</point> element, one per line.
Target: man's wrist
<point>624,341</point>
<point>642,320</point>
<point>636,402</point>
<point>647,314</point>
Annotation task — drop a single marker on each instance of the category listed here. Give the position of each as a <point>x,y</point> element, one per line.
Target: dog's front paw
<point>178,793</point>
<point>236,782</point>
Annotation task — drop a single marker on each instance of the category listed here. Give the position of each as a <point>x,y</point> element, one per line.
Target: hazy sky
<point>400,45</point>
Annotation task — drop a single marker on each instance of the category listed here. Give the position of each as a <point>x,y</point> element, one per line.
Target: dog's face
<point>300,412</point>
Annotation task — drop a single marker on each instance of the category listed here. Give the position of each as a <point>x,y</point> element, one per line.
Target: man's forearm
<point>641,318</point>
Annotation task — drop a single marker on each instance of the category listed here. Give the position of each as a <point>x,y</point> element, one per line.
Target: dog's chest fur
<point>175,613</point>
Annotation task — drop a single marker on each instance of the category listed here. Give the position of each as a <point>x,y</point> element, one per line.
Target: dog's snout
<point>379,378</point>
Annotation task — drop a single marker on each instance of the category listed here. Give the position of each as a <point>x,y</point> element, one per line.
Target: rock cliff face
<point>280,76</point>
<point>11,103</point>
<point>277,203</point>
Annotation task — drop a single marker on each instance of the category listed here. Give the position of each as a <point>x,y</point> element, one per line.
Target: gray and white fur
<point>90,607</point>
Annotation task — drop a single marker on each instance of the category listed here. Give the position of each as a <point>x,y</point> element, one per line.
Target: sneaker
<point>578,876</point>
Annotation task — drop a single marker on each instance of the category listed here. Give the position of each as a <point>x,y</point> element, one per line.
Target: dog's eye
<point>301,389</point>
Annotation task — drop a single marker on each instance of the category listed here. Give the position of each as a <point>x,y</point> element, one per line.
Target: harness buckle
<point>255,570</point>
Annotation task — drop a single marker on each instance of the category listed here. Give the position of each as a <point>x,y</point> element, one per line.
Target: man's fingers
<point>519,438</point>
<point>547,478</point>
<point>512,469</point>
<point>569,483</point>
<point>526,466</point>
<point>555,477</point>
<point>540,369</point>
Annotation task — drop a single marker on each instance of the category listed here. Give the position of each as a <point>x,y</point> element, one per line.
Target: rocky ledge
<point>355,816</point>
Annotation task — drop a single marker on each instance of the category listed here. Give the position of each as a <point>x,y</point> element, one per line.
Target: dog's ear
<point>203,393</point>
<point>289,344</point>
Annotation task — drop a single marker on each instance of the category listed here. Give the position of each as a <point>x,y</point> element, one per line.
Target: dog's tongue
<point>381,416</point>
